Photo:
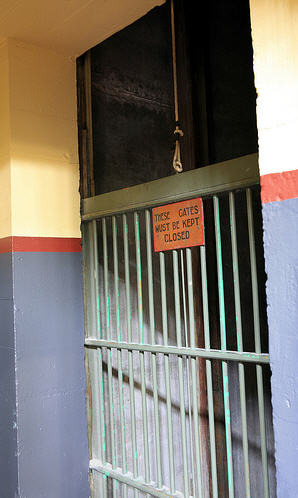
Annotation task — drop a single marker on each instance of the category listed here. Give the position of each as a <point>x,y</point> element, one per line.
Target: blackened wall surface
<point>132,104</point>
<point>132,92</point>
<point>220,51</point>
<point>231,94</point>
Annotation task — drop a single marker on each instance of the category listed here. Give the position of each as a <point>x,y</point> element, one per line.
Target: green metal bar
<point>99,484</point>
<point>88,248</point>
<point>153,356</point>
<point>180,373</point>
<point>95,359</point>
<point>130,354</point>
<point>187,370</point>
<point>236,173</point>
<point>223,347</point>
<point>209,373</point>
<point>119,352</point>
<point>128,479</point>
<point>109,352</point>
<point>255,296</point>
<point>238,316</point>
<point>102,415</point>
<point>211,354</point>
<point>193,365</point>
<point>167,369</point>
<point>96,437</point>
<point>141,338</point>
<point>96,301</point>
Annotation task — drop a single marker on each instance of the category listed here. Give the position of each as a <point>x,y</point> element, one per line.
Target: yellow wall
<point>43,152</point>
<point>39,170</point>
<point>5,198</point>
<point>275,44</point>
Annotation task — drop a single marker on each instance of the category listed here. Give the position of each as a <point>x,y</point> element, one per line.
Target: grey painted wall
<point>280,238</point>
<point>8,426</point>
<point>44,435</point>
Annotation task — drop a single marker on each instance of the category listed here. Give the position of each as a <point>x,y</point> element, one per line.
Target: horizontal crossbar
<point>213,354</point>
<point>137,483</point>
<point>230,175</point>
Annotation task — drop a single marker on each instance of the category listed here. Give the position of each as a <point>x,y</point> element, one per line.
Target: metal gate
<point>142,323</point>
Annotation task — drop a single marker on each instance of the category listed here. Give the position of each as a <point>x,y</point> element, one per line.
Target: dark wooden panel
<point>133,116</point>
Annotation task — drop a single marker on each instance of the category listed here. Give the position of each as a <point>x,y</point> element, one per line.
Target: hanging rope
<point>177,163</point>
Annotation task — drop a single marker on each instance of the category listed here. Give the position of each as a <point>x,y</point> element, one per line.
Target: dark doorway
<point>130,87</point>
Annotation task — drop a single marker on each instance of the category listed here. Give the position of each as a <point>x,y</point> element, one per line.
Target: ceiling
<point>69,26</point>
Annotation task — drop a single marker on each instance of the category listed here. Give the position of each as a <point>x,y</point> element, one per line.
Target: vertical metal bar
<point>255,296</point>
<point>109,352</point>
<point>95,357</point>
<point>153,356</point>
<point>141,338</point>
<point>221,298</point>
<point>209,373</point>
<point>167,370</point>
<point>97,484</point>
<point>92,330</point>
<point>180,373</point>
<point>187,371</point>
<point>193,365</point>
<point>119,353</point>
<point>130,354</point>
<point>96,301</point>
<point>241,371</point>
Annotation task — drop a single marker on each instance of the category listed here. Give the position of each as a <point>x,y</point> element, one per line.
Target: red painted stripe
<point>5,245</point>
<point>279,186</point>
<point>40,244</point>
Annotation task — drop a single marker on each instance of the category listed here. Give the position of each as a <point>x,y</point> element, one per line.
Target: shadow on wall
<point>118,318</point>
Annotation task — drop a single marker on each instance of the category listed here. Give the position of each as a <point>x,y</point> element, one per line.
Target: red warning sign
<point>179,225</point>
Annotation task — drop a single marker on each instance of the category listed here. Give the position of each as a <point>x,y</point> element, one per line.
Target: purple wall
<point>8,426</point>
<point>47,378</point>
<point>281,256</point>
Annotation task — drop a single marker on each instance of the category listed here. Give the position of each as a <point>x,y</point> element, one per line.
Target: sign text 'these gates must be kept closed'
<point>179,225</point>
